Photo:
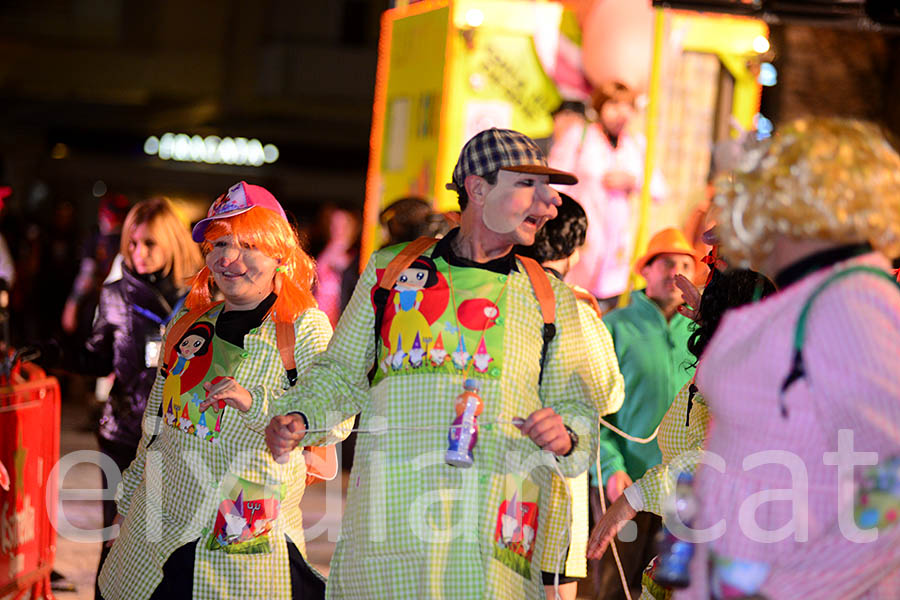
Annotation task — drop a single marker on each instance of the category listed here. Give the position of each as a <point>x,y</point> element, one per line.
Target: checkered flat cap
<point>494,149</point>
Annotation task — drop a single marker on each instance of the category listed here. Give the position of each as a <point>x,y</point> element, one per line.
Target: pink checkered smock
<point>852,382</point>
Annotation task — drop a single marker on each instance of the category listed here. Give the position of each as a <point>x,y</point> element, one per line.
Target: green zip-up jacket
<point>655,363</point>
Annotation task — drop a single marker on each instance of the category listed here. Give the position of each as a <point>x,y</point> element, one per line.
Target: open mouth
<point>228,275</point>
<point>532,220</point>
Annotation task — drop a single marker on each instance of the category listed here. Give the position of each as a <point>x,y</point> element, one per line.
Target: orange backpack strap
<point>540,282</point>
<point>404,258</point>
<point>321,461</point>
<point>392,272</point>
<point>542,289</point>
<point>588,297</point>
<point>180,327</point>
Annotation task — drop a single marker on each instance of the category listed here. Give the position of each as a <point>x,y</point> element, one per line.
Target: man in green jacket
<point>650,337</point>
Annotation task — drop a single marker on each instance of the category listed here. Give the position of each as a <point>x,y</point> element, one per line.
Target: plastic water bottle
<point>463,434</point>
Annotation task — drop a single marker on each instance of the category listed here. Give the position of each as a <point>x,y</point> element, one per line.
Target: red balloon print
<point>479,314</point>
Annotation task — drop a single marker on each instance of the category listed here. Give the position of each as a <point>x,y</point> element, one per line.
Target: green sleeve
<point>336,386</point>
<point>134,474</point>
<point>658,483</point>
<point>681,442</point>
<point>608,385</point>
<point>609,457</point>
<point>312,331</point>
<point>567,383</point>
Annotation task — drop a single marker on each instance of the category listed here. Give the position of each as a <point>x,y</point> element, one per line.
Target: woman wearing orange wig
<point>205,510</point>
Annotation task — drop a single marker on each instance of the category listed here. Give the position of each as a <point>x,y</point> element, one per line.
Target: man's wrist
<point>302,416</point>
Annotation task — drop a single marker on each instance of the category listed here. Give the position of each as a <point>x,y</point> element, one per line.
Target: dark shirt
<point>820,260</point>
<point>444,249</point>
<point>233,325</point>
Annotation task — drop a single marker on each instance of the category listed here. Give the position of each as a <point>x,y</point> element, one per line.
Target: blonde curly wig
<point>818,178</point>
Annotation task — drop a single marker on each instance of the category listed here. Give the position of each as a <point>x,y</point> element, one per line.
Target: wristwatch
<point>573,437</point>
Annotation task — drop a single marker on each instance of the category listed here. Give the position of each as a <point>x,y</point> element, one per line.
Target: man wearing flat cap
<point>463,308</point>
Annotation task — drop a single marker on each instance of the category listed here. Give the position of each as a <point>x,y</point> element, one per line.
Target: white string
<point>382,430</point>
<point>628,437</point>
<point>612,542</point>
<point>515,422</point>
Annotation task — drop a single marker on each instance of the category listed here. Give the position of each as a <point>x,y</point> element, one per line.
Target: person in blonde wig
<point>825,181</point>
<point>168,232</point>
<point>803,386</point>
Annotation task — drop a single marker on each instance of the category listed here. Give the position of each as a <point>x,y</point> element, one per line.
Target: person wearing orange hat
<point>650,337</point>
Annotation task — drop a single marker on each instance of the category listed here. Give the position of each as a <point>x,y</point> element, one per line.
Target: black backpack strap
<point>692,391</point>
<point>547,301</point>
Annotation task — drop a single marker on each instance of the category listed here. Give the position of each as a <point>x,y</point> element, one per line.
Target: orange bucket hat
<point>667,241</point>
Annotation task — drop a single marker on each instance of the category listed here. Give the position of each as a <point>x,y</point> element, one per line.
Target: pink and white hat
<point>239,198</point>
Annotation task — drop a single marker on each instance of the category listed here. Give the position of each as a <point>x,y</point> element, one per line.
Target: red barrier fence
<point>29,448</point>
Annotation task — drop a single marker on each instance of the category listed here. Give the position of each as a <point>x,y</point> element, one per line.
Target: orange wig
<point>266,231</point>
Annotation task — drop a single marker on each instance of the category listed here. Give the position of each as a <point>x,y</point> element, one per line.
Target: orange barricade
<point>29,449</point>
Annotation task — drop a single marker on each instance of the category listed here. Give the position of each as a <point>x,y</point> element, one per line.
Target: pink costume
<point>330,265</point>
<point>606,256</point>
<point>851,382</point>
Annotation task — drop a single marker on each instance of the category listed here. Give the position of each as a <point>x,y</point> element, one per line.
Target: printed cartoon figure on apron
<point>199,357</point>
<point>517,524</point>
<point>193,349</point>
<point>426,327</point>
<point>410,332</point>
<point>247,513</point>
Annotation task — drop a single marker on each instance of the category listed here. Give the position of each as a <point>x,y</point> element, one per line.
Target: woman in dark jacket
<point>158,258</point>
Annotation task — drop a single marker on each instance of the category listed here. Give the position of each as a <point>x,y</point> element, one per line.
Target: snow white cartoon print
<point>192,357</point>
<point>410,332</point>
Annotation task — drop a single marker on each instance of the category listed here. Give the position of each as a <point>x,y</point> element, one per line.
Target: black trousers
<point>178,572</point>
<point>178,575</point>
<point>635,556</point>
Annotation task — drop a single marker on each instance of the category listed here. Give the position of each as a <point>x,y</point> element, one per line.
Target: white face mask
<point>501,213</point>
<point>498,218</point>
